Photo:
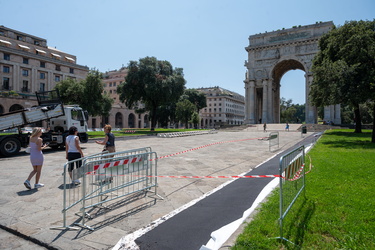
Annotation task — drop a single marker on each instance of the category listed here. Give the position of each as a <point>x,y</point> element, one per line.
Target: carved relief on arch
<point>307,48</point>
<point>288,50</point>
<point>265,63</point>
<point>307,61</point>
<point>261,74</point>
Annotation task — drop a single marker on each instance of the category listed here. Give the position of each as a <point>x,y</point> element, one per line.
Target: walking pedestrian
<point>36,158</point>
<point>287,127</point>
<point>265,127</point>
<point>73,152</point>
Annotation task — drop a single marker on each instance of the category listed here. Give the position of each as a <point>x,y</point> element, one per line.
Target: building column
<point>265,102</point>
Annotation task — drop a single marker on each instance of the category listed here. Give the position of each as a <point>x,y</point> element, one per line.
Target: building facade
<point>224,107</point>
<point>28,65</point>
<point>120,115</point>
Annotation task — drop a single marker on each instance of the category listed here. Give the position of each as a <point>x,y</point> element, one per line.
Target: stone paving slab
<point>33,212</point>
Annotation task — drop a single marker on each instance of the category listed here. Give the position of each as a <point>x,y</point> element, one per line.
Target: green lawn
<point>338,211</point>
<point>135,132</point>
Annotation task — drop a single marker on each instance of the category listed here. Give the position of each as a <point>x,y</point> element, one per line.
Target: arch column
<point>265,101</point>
<point>269,102</point>
<point>250,102</point>
<point>337,119</point>
<point>310,115</point>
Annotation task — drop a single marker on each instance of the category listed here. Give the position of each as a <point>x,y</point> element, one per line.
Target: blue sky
<point>204,37</point>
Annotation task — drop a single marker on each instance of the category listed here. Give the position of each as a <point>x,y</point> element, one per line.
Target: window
<point>6,69</point>
<point>25,72</point>
<point>110,84</point>
<point>42,87</point>
<point>26,60</point>
<point>58,68</point>
<point>42,75</point>
<point>6,82</point>
<point>77,115</point>
<point>19,38</point>
<point>7,57</point>
<point>42,64</point>
<point>25,86</point>
<point>114,84</point>
<point>36,42</point>
<point>71,70</point>
<point>57,78</point>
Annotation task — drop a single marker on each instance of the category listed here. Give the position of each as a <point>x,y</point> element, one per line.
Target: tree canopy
<point>197,98</point>
<point>344,68</point>
<point>152,82</point>
<point>87,93</point>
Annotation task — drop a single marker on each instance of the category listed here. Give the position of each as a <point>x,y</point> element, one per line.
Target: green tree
<point>197,98</point>
<point>87,93</point>
<point>290,112</point>
<point>344,68</point>
<point>195,119</point>
<point>152,82</point>
<point>71,91</point>
<point>184,111</point>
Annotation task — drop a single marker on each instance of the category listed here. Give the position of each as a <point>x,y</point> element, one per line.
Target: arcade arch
<point>119,120</point>
<point>131,120</point>
<point>15,107</point>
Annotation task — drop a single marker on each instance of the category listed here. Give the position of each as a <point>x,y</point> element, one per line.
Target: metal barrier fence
<point>187,133</point>
<point>292,182</point>
<point>105,177</point>
<point>273,140</point>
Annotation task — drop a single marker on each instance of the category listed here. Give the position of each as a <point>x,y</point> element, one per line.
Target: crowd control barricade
<point>273,140</point>
<point>292,182</point>
<point>105,177</point>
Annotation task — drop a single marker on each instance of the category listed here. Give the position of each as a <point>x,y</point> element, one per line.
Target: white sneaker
<point>27,184</point>
<point>38,185</point>
<point>77,182</point>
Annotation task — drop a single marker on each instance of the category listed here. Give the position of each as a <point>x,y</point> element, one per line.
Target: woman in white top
<point>73,151</point>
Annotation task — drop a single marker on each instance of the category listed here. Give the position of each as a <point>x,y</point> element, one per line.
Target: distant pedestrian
<point>73,152</point>
<point>36,158</point>
<point>265,127</point>
<point>287,127</point>
<point>109,140</point>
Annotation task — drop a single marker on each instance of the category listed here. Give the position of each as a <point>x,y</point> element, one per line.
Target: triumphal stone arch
<point>270,56</point>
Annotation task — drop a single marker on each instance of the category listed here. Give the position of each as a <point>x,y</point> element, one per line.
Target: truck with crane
<point>50,108</point>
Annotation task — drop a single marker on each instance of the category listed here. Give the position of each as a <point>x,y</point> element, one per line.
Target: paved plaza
<point>32,213</point>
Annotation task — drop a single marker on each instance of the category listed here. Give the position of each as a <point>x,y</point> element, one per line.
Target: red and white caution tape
<point>117,163</point>
<point>208,145</point>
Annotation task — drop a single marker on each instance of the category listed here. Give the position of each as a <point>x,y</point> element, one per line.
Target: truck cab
<point>59,127</point>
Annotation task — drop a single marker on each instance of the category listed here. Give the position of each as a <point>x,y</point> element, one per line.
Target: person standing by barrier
<point>36,158</point>
<point>109,140</point>
<point>73,151</point>
<point>287,127</point>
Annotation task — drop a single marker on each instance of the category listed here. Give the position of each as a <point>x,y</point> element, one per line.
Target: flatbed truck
<point>59,118</point>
